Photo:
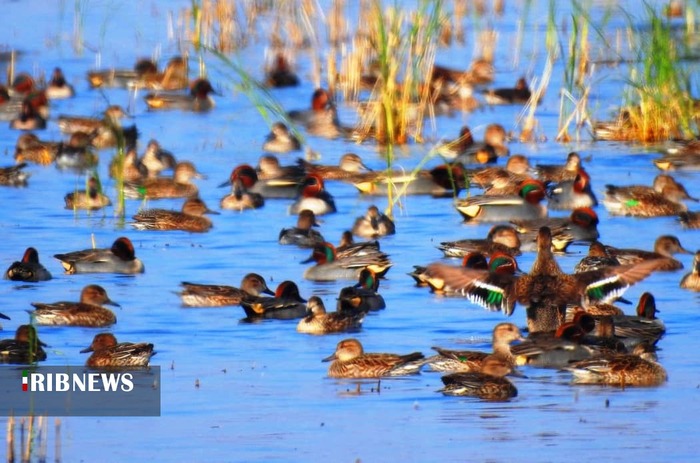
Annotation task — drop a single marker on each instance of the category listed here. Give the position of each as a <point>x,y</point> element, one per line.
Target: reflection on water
<point>240,391</point>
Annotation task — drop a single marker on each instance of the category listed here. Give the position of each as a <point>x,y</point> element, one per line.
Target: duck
<point>573,194</point>
<point>25,348</point>
<point>29,148</point>
<point>474,259</point>
<point>303,235</point>
<point>108,353</point>
<point>279,73</point>
<point>488,208</point>
<point>179,186</point>
<point>546,290</point>
<point>91,199</point>
<point>155,159</point>
<point>241,180</point>
<point>88,312</point>
<point>516,170</point>
<point>318,321</point>
<point>286,304</point>
<point>58,88</point>
<point>330,267</point>
<point>77,154</point>
<point>349,247</point>
<point>644,326</point>
<point>557,173</point>
<point>520,94</point>
<point>350,361</point>
<point>314,197</point>
<point>198,99</point>
<point>28,269</point>
<point>190,219</point>
<point>682,156</point>
<point>487,384</point>
<point>120,258</point>
<point>501,238</point>
<point>664,198</point>
<point>111,119</point>
<point>691,280</point>
<point>321,119</point>
<point>481,71</point>
<point>204,295</point>
<point>145,68</point>
<point>129,168</point>
<point>280,140</point>
<point>472,361</point>
<point>277,181</point>
<point>581,225</point>
<point>362,297</point>
<point>373,224</point>
<point>443,181</point>
<point>465,150</point>
<point>640,368</point>
<point>349,166</point>
<point>29,118</point>
<point>665,247</point>
<point>689,220</point>
<point>598,257</point>
<point>14,175</point>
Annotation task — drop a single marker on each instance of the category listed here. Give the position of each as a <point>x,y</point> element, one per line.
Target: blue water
<point>263,393</point>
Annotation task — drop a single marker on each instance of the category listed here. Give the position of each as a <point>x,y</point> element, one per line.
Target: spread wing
<point>606,284</point>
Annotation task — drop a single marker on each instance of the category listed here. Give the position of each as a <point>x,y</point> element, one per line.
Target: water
<point>262,393</point>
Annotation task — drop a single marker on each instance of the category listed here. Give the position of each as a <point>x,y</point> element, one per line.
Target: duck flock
<point>573,321</point>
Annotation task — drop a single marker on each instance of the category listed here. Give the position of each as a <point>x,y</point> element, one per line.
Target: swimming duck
<point>286,304</point>
<point>692,280</point>
<point>681,156</point>
<point>318,321</point>
<point>303,235</point>
<point>112,118</point>
<point>91,199</point>
<point>466,150</point>
<point>179,186</point>
<point>314,197</point>
<point>662,199</point>
<point>520,94</point>
<point>349,247</point>
<point>107,353</point>
<point>29,148</point>
<point>330,267</point>
<point>28,269</point>
<point>373,224</point>
<point>556,173</point>
<point>129,167</point>
<point>467,360</point>
<point>88,312</point>
<point>279,73</point>
<point>517,170</point>
<point>276,181</point>
<point>474,259</point>
<point>488,208</point>
<point>77,153</point>
<point>362,297</point>
<point>573,194</point>
<point>644,326</point>
<point>546,290</point>
<point>14,175</point>
<point>664,248</point>
<point>487,384</point>
<point>190,219</point>
<point>280,140</point>
<point>640,368</point>
<point>120,258</point>
<point>58,87</point>
<point>498,263</point>
<point>199,295</point>
<point>349,166</point>
<point>598,257</point>
<point>581,225</point>
<point>155,159</point>
<point>28,118</point>
<point>350,361</point>
<point>501,238</point>
<point>24,349</point>
<point>144,69</point>
<point>441,182</point>
<point>242,179</point>
<point>198,100</point>
<point>322,119</point>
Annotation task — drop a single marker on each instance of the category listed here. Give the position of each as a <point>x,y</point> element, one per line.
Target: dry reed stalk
<point>57,443</point>
<point>529,123</point>
<point>10,439</point>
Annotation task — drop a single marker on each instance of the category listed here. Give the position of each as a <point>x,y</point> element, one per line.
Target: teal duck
<point>28,269</point>
<point>487,384</point>
<point>24,349</point>
<point>318,321</point>
<point>202,295</point>
<point>120,258</point>
<point>107,353</point>
<point>88,312</point>
<point>350,361</point>
<point>190,219</point>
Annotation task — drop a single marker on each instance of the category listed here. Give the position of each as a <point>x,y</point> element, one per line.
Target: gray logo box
<point>79,391</point>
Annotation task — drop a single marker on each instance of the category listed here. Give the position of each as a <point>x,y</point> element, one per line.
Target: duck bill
<point>112,303</point>
<point>226,183</point>
<point>309,260</point>
<point>4,317</point>
<point>330,358</point>
<point>268,291</point>
<point>210,212</point>
<point>86,350</point>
